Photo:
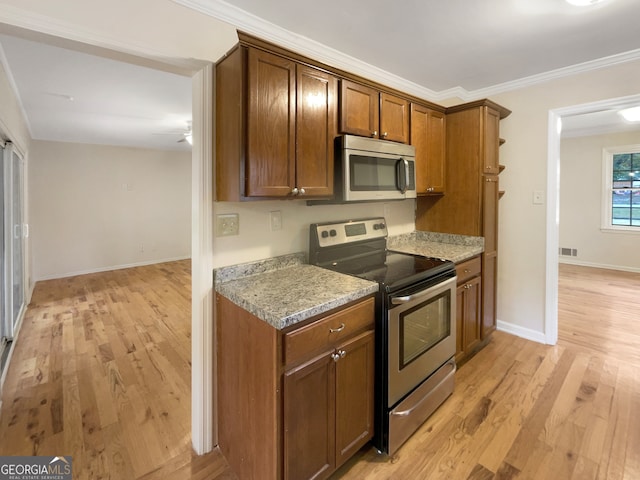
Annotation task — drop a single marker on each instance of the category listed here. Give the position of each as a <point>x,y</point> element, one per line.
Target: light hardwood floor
<point>101,372</point>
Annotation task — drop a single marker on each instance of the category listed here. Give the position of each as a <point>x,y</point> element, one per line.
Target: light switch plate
<point>227,224</point>
<point>275,219</point>
<point>538,197</point>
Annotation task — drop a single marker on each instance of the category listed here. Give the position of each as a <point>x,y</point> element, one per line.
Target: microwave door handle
<point>407,180</point>
<point>402,180</point>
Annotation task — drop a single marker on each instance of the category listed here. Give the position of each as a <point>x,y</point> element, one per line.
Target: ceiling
<point>70,96</point>
<point>433,48</point>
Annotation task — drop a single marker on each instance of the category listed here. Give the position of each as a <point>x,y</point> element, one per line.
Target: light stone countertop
<point>456,248</point>
<point>283,291</point>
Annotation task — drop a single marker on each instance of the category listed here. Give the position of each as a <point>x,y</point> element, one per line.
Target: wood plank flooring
<point>102,372</point>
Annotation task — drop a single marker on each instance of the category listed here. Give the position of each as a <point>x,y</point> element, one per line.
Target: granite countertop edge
<point>272,291</point>
<point>447,246</point>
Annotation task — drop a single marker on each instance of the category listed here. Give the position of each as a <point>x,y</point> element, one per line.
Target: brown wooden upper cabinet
<point>428,135</point>
<point>276,124</point>
<point>368,112</point>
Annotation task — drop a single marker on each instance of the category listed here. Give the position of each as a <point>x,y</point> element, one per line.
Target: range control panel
<point>340,233</point>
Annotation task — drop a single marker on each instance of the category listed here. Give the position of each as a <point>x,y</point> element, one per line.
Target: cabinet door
<point>472,310</point>
<point>428,136</point>
<point>316,129</point>
<point>490,192</point>
<point>270,155</point>
<point>460,297</point>
<point>394,118</point>
<point>359,109</point>
<point>468,316</point>
<point>491,140</point>
<point>354,395</point>
<point>309,420</point>
<point>489,292</point>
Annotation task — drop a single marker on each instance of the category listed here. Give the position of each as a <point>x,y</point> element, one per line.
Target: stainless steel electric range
<point>415,322</point>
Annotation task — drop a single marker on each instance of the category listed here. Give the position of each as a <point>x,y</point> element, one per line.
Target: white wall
<point>581,200</point>
<point>99,207</point>
<point>522,275</point>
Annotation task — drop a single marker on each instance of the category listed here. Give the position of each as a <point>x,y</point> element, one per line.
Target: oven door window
<point>423,327</point>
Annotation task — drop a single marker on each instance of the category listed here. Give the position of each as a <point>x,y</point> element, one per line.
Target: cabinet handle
<point>384,135</point>
<point>294,191</point>
<point>466,270</point>
<point>302,192</point>
<point>430,189</point>
<point>342,353</point>
<point>336,330</point>
<point>374,133</point>
<point>490,180</point>
<point>335,357</point>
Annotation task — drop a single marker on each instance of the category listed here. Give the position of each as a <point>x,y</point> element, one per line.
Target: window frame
<point>606,224</point>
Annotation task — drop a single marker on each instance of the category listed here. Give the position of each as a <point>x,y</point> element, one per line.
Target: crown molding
<point>604,62</point>
<point>270,32</point>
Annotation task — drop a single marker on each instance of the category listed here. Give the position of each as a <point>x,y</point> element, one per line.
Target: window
<point>621,188</point>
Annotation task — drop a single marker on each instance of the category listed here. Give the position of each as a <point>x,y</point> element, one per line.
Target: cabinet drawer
<point>468,269</point>
<point>328,332</point>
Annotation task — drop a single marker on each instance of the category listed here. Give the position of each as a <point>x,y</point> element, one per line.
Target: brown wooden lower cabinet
<point>328,409</point>
<point>468,309</point>
<point>284,413</point>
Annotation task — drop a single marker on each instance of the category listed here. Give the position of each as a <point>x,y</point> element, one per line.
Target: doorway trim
<point>553,202</point>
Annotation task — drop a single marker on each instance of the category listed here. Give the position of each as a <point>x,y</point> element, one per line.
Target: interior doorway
<point>553,203</point>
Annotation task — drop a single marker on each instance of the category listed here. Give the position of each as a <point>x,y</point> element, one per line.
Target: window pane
<point>621,207</point>
<point>622,161</point>
<point>636,161</point>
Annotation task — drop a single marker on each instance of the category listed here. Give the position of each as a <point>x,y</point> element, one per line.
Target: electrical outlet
<point>227,224</point>
<point>275,218</point>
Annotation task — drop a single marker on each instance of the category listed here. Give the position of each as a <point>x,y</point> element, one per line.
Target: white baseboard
<point>113,267</point>
<point>622,268</point>
<point>523,332</point>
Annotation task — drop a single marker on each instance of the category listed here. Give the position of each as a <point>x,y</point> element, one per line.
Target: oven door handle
<point>410,298</point>
<point>421,294</point>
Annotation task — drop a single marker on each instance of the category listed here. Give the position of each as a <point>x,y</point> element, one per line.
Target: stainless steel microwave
<point>371,169</point>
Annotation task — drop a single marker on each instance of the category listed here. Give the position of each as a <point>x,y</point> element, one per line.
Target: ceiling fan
<point>187,135</point>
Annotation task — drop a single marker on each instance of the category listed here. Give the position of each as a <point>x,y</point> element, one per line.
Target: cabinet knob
<point>384,135</point>
<point>342,353</point>
<point>302,192</point>
<point>295,191</point>
<point>335,357</point>
<point>374,133</point>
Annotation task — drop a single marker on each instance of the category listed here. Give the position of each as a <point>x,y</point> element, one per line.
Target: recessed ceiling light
<point>631,114</point>
<point>585,3</point>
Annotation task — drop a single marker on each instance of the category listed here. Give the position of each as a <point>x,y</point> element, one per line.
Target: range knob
<point>324,234</point>
<point>378,226</point>
<point>333,233</point>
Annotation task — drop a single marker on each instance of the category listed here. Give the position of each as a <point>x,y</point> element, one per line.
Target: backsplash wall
<point>256,241</point>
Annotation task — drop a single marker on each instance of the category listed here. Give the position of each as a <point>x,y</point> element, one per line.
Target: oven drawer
<point>468,269</point>
<point>328,332</point>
